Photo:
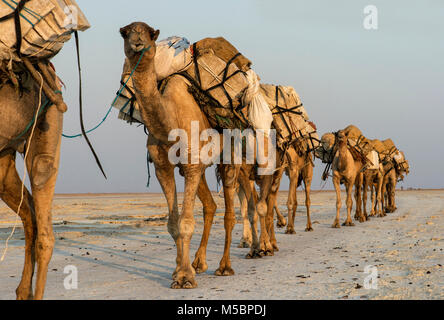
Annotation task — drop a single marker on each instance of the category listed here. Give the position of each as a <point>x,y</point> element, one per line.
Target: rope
<point>113,103</point>
<point>24,170</point>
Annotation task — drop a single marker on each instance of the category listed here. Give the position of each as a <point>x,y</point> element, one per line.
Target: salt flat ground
<point>122,250</point>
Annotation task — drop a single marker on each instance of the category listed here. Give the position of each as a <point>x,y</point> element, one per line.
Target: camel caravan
<point>168,86</point>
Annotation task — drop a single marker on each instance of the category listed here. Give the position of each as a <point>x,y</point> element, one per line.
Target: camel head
<point>342,138</point>
<point>139,36</point>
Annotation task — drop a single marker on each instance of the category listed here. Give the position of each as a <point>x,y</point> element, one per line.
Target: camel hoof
<point>200,267</point>
<point>269,253</point>
<point>362,219</point>
<point>184,284</point>
<point>281,224</point>
<point>24,294</point>
<point>348,224</point>
<point>357,217</point>
<point>244,243</point>
<point>254,254</point>
<point>224,272</point>
<point>275,247</point>
<point>336,225</point>
<point>290,231</point>
<point>308,229</point>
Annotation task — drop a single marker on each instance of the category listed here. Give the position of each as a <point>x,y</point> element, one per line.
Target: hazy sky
<point>388,82</point>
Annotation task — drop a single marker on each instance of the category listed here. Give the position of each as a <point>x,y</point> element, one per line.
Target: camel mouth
<point>137,47</point>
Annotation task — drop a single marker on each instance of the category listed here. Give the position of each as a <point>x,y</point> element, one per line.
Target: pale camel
<point>162,112</point>
<point>349,171</point>
<point>373,178</point>
<point>17,111</point>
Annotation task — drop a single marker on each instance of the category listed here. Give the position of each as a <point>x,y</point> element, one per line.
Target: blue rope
<point>12,7</point>
<point>114,102</point>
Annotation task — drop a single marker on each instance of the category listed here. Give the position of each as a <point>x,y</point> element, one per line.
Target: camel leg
<point>43,163</point>
<point>265,247</point>
<point>185,276</point>
<point>373,206</point>
<point>271,202</point>
<point>379,199</point>
<point>364,197</point>
<point>358,196</point>
<point>292,202</point>
<point>10,191</point>
<point>337,185</point>
<point>165,174</point>
<point>307,184</point>
<point>391,196</point>
<point>230,174</point>
<point>349,188</point>
<point>209,209</point>
<point>246,239</point>
<point>281,221</point>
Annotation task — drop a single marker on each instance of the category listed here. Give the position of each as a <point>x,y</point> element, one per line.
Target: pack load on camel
<point>227,89</point>
<point>42,29</point>
<point>34,31</point>
<point>388,152</point>
<point>360,147</point>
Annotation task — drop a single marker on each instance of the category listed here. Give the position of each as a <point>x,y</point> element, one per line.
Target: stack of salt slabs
<point>290,118</point>
<point>45,26</point>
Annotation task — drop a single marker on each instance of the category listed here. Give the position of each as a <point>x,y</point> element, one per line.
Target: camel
<point>392,174</point>
<point>349,171</point>
<point>299,167</point>
<point>42,154</point>
<point>373,178</point>
<point>162,112</point>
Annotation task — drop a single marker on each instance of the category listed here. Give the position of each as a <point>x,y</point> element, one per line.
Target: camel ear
<point>154,34</point>
<point>125,31</point>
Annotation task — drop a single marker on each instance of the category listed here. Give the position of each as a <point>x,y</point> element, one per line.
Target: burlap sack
<point>224,50</point>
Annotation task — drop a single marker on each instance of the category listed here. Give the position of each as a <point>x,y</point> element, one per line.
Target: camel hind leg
<point>11,195</point>
<point>42,163</point>
<point>209,209</point>
<point>246,240</point>
<point>229,174</point>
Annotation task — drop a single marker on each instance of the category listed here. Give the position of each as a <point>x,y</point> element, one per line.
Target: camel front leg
<point>165,174</point>
<point>43,164</point>
<point>10,191</point>
<point>209,209</point>
<point>307,183</point>
<point>379,199</point>
<point>358,196</point>
<point>349,188</point>
<point>281,221</point>
<point>230,174</point>
<point>337,185</point>
<point>364,197</point>
<point>185,276</point>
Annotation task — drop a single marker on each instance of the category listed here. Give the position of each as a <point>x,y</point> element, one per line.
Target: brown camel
<point>349,171</point>
<point>162,112</point>
<point>299,168</point>
<point>17,110</point>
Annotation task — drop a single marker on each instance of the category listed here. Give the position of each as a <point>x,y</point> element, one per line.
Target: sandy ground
<point>122,250</point>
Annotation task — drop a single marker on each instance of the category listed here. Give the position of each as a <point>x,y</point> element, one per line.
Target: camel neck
<point>153,108</point>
